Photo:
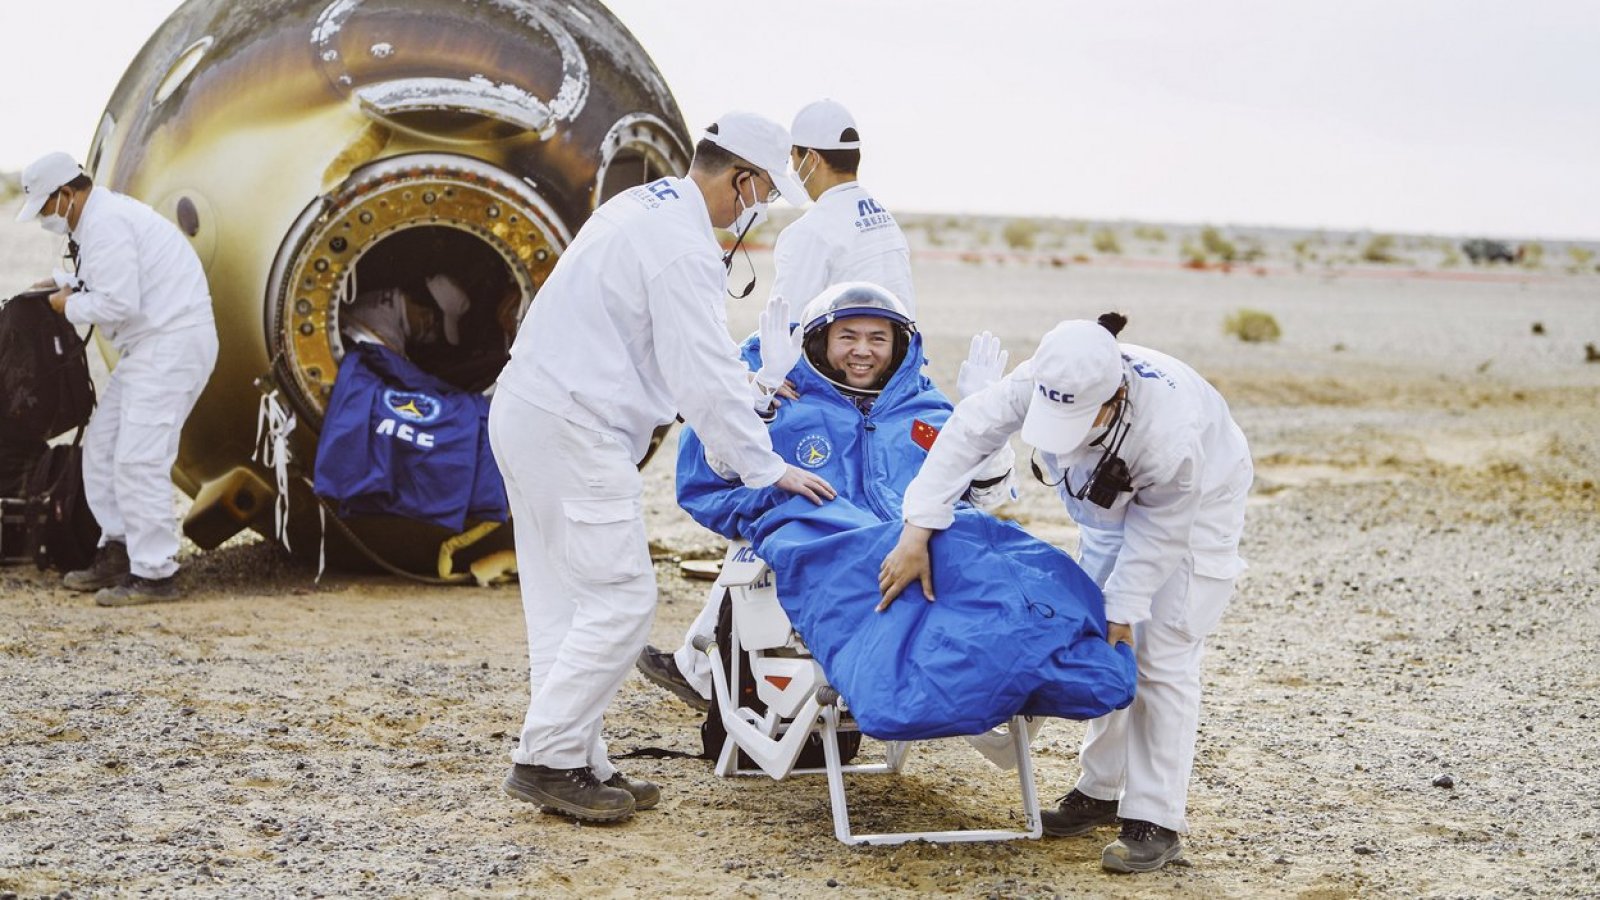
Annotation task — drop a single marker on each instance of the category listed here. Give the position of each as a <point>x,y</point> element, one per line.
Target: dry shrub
<point>1021,234</point>
<point>1252,326</point>
<point>1105,241</point>
<point>1380,249</point>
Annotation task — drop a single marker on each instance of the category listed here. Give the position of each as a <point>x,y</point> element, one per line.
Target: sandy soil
<point>1424,539</point>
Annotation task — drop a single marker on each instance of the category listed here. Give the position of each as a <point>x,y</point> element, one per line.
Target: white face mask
<point>805,174</point>
<point>748,218</point>
<point>750,215</point>
<point>55,223</point>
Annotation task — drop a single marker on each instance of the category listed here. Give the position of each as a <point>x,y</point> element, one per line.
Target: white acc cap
<point>763,143</point>
<point>1077,368</point>
<point>40,180</point>
<point>822,125</point>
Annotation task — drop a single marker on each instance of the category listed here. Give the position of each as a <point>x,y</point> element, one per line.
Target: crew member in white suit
<point>846,235</point>
<point>139,280</point>
<point>1154,470</point>
<point>628,332</point>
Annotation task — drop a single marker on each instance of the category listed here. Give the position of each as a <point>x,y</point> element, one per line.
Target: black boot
<point>1078,813</point>
<point>1141,847</point>
<point>136,590</point>
<point>571,792</point>
<point>663,670</point>
<point>109,568</point>
<point>645,794</point>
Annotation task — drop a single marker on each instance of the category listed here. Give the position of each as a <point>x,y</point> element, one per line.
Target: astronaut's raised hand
<point>809,485</point>
<point>780,345</point>
<point>985,364</point>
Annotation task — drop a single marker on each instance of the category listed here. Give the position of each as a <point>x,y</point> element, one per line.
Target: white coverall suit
<point>1166,555</point>
<point>844,236</point>
<point>144,287</point>
<point>628,331</point>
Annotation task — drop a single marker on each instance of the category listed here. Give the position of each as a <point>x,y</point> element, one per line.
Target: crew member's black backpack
<point>62,532</point>
<point>45,387</point>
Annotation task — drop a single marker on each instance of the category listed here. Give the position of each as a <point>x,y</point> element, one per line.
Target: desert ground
<point>1424,541</point>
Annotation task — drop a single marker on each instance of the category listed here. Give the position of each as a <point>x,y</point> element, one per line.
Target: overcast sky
<point>1453,116</point>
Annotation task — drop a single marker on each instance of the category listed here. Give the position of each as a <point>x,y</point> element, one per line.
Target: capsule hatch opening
<point>440,296</point>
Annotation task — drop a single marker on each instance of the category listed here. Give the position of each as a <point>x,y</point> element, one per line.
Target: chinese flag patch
<point>923,434</point>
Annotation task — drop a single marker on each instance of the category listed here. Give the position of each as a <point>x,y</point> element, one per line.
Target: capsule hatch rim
<point>304,284</point>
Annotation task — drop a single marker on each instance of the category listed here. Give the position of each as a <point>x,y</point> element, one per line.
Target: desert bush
<point>1251,250</point>
<point>1531,254</point>
<point>1105,241</point>
<point>1217,245</point>
<point>1380,249</point>
<point>1452,257</point>
<point>1153,233</point>
<point>10,185</point>
<point>1581,258</point>
<point>1252,326</point>
<point>1020,234</point>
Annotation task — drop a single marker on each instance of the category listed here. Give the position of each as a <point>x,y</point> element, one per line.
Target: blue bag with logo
<point>397,441</point>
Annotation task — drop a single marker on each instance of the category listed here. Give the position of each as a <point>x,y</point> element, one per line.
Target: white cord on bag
<point>273,427</point>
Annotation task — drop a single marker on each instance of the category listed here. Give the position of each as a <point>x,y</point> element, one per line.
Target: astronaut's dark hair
<point>81,183</point>
<point>1113,322</point>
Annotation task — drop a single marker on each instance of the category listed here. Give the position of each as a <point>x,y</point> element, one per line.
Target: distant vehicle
<point>1483,250</point>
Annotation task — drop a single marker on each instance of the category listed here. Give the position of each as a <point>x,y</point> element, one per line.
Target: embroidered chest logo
<point>812,451</point>
<point>923,434</point>
<point>417,408</point>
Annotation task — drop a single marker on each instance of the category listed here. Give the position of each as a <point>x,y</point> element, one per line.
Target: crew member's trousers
<point>1144,754</point>
<point>588,588</point>
<point>132,442</point>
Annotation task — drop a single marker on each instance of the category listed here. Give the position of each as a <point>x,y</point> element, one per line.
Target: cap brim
<point>789,187</point>
<point>1050,429</point>
<point>31,206</point>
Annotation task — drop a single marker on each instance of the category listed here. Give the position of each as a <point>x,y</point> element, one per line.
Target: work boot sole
<point>84,582</point>
<point>1112,862</point>
<point>110,598</point>
<point>554,804</point>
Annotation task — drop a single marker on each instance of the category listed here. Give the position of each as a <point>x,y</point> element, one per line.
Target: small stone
<point>1364,850</point>
<point>1281,861</point>
<point>1444,781</point>
<point>832,882</point>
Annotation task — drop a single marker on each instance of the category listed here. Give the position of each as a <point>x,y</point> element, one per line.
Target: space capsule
<point>316,149</point>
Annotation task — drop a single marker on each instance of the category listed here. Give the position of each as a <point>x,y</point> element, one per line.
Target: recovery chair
<point>800,702</point>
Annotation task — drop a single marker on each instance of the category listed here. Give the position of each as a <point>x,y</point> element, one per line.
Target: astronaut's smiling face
<point>862,347</point>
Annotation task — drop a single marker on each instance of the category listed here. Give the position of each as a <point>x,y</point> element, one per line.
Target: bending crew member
<point>628,331</point>
<point>1152,467</point>
<point>139,280</point>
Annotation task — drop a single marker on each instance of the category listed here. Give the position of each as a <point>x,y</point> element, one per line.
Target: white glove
<point>985,364</point>
<point>780,345</point>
